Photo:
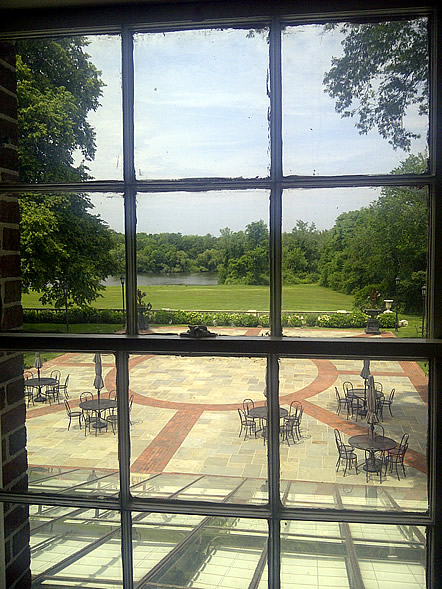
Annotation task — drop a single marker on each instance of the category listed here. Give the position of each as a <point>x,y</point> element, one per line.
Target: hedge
<point>165,317</point>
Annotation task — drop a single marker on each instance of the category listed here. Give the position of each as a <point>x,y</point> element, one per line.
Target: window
<point>228,120</point>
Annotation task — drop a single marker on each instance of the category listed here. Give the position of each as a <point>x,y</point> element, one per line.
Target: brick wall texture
<point>12,406</point>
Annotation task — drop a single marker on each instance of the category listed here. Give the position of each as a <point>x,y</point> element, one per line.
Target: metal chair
<point>72,414</point>
<point>342,402</point>
<point>247,423</point>
<point>53,391</point>
<point>87,416</point>
<point>395,456</point>
<point>63,388</point>
<point>383,402</point>
<point>28,390</point>
<point>346,454</point>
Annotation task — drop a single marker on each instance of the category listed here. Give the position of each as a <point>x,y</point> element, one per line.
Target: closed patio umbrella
<point>38,363</point>
<point>365,373</point>
<point>371,403</point>
<point>98,380</point>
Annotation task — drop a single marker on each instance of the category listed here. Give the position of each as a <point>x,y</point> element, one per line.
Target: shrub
<point>387,320</point>
<point>311,319</point>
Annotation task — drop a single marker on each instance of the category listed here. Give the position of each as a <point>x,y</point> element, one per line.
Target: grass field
<point>300,297</point>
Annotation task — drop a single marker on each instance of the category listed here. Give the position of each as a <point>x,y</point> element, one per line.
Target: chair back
<point>131,402</point>
<point>347,387</point>
<point>86,396</point>
<point>404,441</point>
<point>378,387</point>
<point>338,396</point>
<point>66,381</point>
<point>112,394</point>
<point>247,404</point>
<point>56,374</point>
<point>27,374</point>
<point>242,415</point>
<point>338,439</point>
<point>295,408</point>
<point>390,398</point>
<point>67,406</point>
<point>379,430</point>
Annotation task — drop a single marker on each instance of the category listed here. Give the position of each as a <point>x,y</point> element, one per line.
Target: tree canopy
<point>62,243</point>
<point>382,74</point>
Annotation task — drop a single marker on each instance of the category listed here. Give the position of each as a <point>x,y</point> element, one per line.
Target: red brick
<point>9,212</point>
<point>12,368</point>
<point>16,517</point>
<point>13,418</point>
<point>7,53</point>
<point>8,156</point>
<point>9,266</point>
<point>18,568</point>
<point>13,318</point>
<point>7,79</point>
<point>12,291</point>
<point>17,441</point>
<point>14,468</point>
<point>11,239</point>
<point>14,392</point>
<point>9,129</point>
<point>20,540</point>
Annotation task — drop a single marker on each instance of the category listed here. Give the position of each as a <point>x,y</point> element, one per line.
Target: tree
<point>62,243</point>
<point>381,75</point>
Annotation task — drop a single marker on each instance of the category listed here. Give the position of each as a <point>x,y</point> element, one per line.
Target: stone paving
<point>185,419</point>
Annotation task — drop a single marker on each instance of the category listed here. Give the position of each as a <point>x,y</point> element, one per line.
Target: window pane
<point>186,428</point>
<point>71,447</point>
<point>203,259</point>
<point>355,96</point>
<point>69,109</point>
<point>207,551</point>
<point>75,547</point>
<point>383,467</point>
<point>319,554</point>
<point>201,104</point>
<point>340,247</point>
<point>73,254</point>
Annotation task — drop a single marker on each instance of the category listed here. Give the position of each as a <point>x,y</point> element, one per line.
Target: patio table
<point>372,443</point>
<point>43,381</point>
<point>98,405</point>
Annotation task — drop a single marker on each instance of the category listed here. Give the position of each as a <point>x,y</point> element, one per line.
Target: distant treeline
<point>365,249</point>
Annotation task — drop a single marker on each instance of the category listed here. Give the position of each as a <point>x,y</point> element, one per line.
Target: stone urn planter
<point>388,303</point>
<point>372,322</point>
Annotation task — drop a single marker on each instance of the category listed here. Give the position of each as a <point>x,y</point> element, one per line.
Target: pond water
<point>195,278</point>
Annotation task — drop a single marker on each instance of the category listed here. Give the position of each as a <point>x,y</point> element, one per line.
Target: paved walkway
<point>185,416</point>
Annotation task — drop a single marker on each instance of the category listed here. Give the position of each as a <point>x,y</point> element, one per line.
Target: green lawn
<point>300,297</point>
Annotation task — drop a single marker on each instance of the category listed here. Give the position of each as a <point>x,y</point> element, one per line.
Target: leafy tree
<point>382,74</point>
<point>62,243</point>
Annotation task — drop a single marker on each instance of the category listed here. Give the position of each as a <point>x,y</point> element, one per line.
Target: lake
<point>198,278</point>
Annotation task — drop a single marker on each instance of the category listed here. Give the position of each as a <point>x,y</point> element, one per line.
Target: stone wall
<point>12,406</point>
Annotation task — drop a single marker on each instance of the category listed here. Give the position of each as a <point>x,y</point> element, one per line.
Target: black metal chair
<point>73,414</point>
<point>343,402</point>
<point>346,454</point>
<point>374,464</point>
<point>248,424</point>
<point>292,423</point>
<point>29,390</point>
<point>383,402</point>
<point>53,391</point>
<point>63,388</point>
<point>395,457</point>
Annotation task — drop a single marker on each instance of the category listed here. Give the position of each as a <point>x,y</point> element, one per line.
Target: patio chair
<point>346,454</point>
<point>131,402</point>
<point>383,402</point>
<point>29,390</point>
<point>290,428</point>
<point>53,391</point>
<point>343,402</point>
<point>87,416</point>
<point>347,387</point>
<point>374,464</point>
<point>248,424</point>
<point>395,456</point>
<point>72,414</point>
<point>63,388</point>
<point>378,387</point>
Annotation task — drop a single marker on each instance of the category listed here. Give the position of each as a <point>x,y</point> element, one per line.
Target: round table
<point>372,443</point>
<point>43,381</point>
<point>262,412</point>
<point>98,405</point>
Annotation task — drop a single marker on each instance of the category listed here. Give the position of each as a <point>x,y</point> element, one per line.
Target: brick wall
<point>12,405</point>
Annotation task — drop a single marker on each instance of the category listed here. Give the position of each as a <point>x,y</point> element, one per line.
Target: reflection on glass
<point>72,446</point>
<point>343,455</point>
<point>69,109</point>
<point>187,439</point>
<point>201,104</point>
<point>73,255</point>
<point>340,243</point>
<point>319,554</point>
<point>203,258</point>
<point>355,96</point>
<point>81,547</point>
<point>195,551</point>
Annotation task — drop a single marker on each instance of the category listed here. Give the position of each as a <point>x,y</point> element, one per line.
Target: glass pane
<point>355,96</point>
<point>319,554</point>
<point>72,446</point>
<point>356,434</point>
<point>344,246</point>
<point>75,547</point>
<point>195,551</point>
<point>73,255</point>
<point>201,104</point>
<point>186,428</point>
<point>69,109</point>
<point>203,259</point>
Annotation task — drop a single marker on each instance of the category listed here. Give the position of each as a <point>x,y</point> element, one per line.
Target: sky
<point>201,109</point>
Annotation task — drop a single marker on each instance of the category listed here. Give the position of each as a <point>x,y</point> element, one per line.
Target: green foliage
<point>61,242</point>
<point>75,315</point>
<point>387,320</point>
<point>382,74</point>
